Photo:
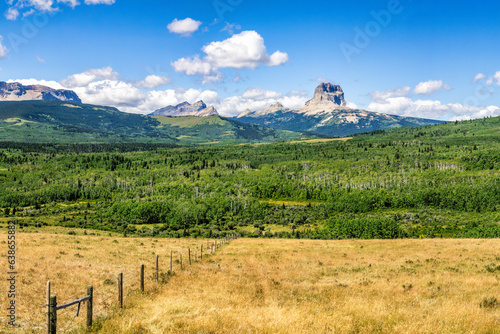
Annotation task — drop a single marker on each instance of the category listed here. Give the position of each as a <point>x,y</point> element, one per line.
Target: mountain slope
<point>64,122</point>
<point>198,109</point>
<point>327,114</point>
<point>17,92</point>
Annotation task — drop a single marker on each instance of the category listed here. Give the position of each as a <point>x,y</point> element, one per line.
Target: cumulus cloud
<point>386,94</point>
<point>494,79</point>
<point>429,87</point>
<point>153,81</point>
<point>48,83</point>
<point>184,27</point>
<point>244,50</point>
<point>405,106</point>
<point>258,98</point>
<point>3,49</point>
<point>85,78</point>
<point>12,14</point>
<point>478,77</point>
<point>29,7</point>
<point>99,2</point>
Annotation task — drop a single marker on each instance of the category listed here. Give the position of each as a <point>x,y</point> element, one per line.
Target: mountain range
<point>198,109</point>
<point>17,92</point>
<point>327,113</point>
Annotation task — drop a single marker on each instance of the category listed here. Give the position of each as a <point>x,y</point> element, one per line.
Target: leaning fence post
<point>48,307</point>
<point>171,262</point>
<point>90,292</point>
<point>189,255</point>
<point>52,314</point>
<point>142,277</point>
<point>120,289</point>
<point>157,268</point>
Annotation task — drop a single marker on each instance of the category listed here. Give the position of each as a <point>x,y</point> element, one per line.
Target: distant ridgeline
<point>327,113</point>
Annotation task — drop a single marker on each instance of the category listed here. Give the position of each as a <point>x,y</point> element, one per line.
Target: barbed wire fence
<point>109,293</point>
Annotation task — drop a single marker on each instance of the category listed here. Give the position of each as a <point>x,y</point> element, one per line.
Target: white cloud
<point>28,82</point>
<point>110,93</point>
<point>430,87</point>
<point>405,106</point>
<point>258,98</point>
<point>244,50</point>
<point>12,14</point>
<point>153,81</point>
<point>85,78</point>
<point>385,94</point>
<point>29,7</point>
<point>184,27</point>
<point>41,60</point>
<point>99,2</point>
<point>494,79</point>
<point>478,77</point>
<point>3,49</point>
<point>71,3</point>
<point>231,27</point>
<point>193,65</point>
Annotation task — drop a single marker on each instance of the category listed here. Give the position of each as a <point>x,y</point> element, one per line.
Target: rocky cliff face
<point>326,92</point>
<point>327,114</point>
<point>17,92</point>
<point>198,109</point>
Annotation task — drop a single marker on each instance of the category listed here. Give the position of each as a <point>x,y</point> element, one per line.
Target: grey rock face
<point>328,92</point>
<point>198,109</point>
<point>17,92</point>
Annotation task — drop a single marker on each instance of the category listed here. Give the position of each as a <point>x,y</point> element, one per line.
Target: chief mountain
<point>326,113</point>
<point>41,114</point>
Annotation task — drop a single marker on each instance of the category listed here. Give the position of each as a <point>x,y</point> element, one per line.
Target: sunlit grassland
<point>306,286</point>
<point>72,262</point>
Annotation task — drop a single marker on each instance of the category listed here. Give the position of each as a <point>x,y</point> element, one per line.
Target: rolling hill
<point>66,122</point>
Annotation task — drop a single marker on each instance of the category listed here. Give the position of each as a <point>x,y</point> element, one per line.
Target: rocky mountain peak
<point>14,91</point>
<point>198,109</point>
<point>327,92</point>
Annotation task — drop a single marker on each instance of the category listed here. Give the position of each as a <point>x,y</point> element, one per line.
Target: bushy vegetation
<point>434,181</point>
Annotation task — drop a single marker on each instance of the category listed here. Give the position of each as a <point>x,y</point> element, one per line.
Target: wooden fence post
<point>48,307</point>
<point>90,292</point>
<point>171,262</point>
<point>156,268</point>
<point>52,315</point>
<point>189,255</point>
<point>120,289</point>
<point>142,277</point>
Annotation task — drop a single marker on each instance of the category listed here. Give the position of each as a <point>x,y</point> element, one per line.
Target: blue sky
<point>432,59</point>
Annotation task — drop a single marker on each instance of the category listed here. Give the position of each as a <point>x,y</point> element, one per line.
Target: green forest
<point>427,182</point>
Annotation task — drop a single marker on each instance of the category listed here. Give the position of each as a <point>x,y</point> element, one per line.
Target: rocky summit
<point>14,91</point>
<point>327,114</point>
<point>198,109</point>
<point>326,92</point>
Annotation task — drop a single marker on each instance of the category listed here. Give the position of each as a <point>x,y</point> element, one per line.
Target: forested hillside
<point>433,181</point>
<point>66,122</point>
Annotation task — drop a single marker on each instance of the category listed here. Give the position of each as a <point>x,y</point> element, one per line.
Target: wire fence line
<point>110,292</point>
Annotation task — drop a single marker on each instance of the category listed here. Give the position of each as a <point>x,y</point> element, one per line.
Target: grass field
<point>72,262</point>
<point>265,285</point>
<point>295,286</point>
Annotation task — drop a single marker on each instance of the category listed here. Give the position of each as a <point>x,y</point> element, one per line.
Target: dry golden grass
<point>305,286</point>
<point>71,263</point>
